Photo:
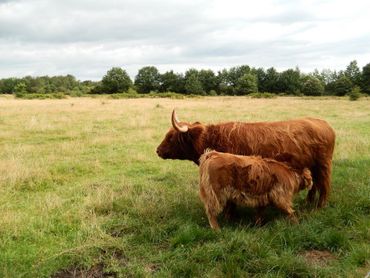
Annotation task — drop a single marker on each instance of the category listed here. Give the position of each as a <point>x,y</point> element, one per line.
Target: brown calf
<point>248,180</point>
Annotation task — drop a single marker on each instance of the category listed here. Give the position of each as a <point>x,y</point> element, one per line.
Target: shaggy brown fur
<point>247,180</point>
<point>301,143</point>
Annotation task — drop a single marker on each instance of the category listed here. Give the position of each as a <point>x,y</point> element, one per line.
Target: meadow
<point>83,193</point>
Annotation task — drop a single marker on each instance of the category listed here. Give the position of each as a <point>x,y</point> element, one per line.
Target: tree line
<point>238,80</point>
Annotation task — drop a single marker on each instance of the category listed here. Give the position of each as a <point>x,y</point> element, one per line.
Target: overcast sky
<point>87,38</point>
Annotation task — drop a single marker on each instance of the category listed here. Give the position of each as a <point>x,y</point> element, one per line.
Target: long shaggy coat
<point>302,143</point>
<point>248,181</point>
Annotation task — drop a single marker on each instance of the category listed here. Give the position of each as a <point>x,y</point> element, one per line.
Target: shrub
<point>58,95</point>
<point>153,95</point>
<point>355,93</point>
<point>262,95</point>
<point>19,95</point>
<point>75,93</point>
<point>41,96</point>
<point>312,87</point>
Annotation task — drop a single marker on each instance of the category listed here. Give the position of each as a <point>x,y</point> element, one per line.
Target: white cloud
<point>86,38</point>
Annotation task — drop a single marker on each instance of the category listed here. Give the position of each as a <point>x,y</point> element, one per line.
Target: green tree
<point>228,79</point>
<point>271,81</point>
<point>327,76</point>
<point>312,86</point>
<point>246,84</point>
<point>341,86</point>
<point>7,85</point>
<point>172,82</point>
<point>236,72</point>
<point>34,84</point>
<point>192,82</point>
<point>224,84</point>
<point>353,73</point>
<point>147,80</point>
<point>261,78</point>
<point>365,79</point>
<point>290,81</point>
<point>115,81</point>
<point>208,79</point>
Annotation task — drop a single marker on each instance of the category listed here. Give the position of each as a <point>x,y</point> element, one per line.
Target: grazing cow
<point>248,180</point>
<point>302,143</point>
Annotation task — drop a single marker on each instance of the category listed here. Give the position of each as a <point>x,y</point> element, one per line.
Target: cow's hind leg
<point>325,185</point>
<point>312,194</point>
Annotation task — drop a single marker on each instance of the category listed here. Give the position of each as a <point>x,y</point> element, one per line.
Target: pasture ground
<point>82,192</point>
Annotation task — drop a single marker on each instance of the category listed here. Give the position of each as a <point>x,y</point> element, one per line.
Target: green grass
<point>82,190</point>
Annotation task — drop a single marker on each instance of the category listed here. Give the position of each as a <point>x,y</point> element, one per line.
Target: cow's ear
<point>196,130</point>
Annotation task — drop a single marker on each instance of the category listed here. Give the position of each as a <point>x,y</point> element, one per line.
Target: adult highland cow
<point>301,143</point>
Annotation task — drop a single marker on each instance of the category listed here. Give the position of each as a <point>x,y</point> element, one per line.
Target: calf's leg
<point>285,205</point>
<point>259,216</point>
<point>211,205</point>
<point>212,219</point>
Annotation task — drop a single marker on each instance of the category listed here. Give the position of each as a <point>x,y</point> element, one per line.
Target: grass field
<point>82,192</point>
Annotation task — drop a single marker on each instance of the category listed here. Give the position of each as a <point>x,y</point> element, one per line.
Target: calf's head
<point>306,179</point>
<point>182,141</point>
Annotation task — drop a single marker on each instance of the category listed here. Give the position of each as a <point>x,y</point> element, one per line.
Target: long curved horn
<point>176,123</point>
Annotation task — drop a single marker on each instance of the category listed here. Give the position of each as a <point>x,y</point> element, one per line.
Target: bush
<point>152,95</point>
<point>262,95</point>
<point>312,87</point>
<point>76,93</point>
<point>58,95</point>
<point>41,96</point>
<point>355,93</point>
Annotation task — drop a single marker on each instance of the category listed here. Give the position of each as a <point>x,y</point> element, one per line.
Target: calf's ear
<point>306,174</point>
